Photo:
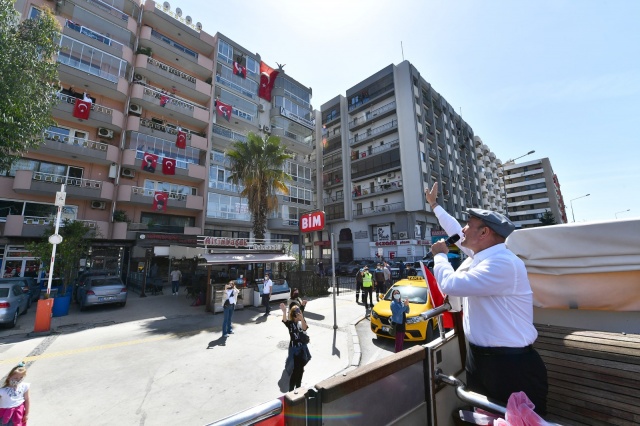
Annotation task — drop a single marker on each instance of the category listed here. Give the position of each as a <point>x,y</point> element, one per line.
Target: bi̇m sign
<point>313,221</point>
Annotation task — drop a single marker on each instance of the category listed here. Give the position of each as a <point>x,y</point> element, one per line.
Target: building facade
<point>146,165</point>
<point>383,142</point>
<point>490,173</point>
<point>532,188</point>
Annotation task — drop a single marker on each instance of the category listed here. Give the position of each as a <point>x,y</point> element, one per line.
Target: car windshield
<point>101,282</point>
<point>4,292</point>
<point>414,294</point>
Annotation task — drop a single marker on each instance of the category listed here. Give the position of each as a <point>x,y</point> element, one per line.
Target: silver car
<point>102,290</point>
<point>13,302</point>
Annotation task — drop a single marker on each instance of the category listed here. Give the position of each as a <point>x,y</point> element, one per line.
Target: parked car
<point>102,290</point>
<point>352,267</point>
<point>13,302</point>
<point>417,327</point>
<point>29,285</point>
<point>86,274</point>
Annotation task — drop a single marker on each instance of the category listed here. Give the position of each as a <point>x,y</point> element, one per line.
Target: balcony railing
<point>368,97</point>
<point>93,34</point>
<point>142,144</point>
<point>369,134</point>
<point>169,129</point>
<point>94,107</point>
<point>333,199</point>
<point>228,133</point>
<point>91,60</point>
<point>377,189</point>
<point>109,9</point>
<point>174,102</point>
<point>230,84</point>
<point>376,112</point>
<point>70,140</point>
<point>355,155</point>
<point>171,70</point>
<point>384,208</point>
<point>146,192</point>
<point>173,44</point>
<point>69,181</point>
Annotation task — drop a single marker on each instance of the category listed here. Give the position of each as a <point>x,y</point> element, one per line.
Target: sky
<point>558,77</point>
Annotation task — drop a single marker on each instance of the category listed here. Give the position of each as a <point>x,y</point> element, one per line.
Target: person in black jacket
<point>358,285</point>
<point>378,275</point>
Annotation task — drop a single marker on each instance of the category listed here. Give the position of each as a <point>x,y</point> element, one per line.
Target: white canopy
<point>230,258</point>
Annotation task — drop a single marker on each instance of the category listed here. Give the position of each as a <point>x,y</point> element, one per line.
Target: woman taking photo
<point>298,351</point>
<point>399,311</point>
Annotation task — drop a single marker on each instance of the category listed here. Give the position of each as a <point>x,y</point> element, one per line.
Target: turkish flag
<point>267,80</point>
<point>82,109</point>
<point>149,162</point>
<point>436,295</point>
<point>181,140</point>
<point>239,69</point>
<point>224,110</point>
<point>160,200</point>
<point>169,166</point>
<point>163,100</point>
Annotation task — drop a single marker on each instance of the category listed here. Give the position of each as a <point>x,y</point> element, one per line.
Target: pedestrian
<point>295,299</point>
<point>411,271</point>
<point>387,275</point>
<point>299,354</point>
<point>267,288</point>
<point>497,306</point>
<point>399,309</point>
<point>401,270</point>
<point>359,290</point>
<point>367,287</point>
<point>379,277</point>
<point>320,269</point>
<point>14,397</point>
<point>229,298</point>
<point>176,276</point>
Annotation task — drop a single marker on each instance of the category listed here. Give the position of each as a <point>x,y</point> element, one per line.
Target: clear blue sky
<point>559,77</point>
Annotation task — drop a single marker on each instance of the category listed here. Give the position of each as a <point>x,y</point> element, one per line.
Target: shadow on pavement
<point>283,383</point>
<point>312,316</point>
<point>335,350</point>
<point>220,341</point>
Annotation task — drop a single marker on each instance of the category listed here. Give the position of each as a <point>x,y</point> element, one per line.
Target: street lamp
<point>506,203</point>
<point>623,211</point>
<point>571,203</point>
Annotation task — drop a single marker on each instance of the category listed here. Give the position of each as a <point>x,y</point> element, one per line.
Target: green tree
<point>547,218</point>
<point>76,239</point>
<point>28,80</point>
<point>257,166</point>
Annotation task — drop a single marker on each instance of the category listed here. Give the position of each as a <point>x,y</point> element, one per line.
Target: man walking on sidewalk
<point>267,287</point>
<point>176,276</point>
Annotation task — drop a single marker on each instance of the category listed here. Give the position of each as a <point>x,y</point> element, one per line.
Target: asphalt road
<point>374,348</point>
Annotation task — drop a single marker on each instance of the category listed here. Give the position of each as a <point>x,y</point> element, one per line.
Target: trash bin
<point>247,296</point>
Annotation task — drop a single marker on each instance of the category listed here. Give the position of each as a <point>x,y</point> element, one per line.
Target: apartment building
<point>532,188</point>
<point>143,162</point>
<point>491,177</point>
<point>382,142</point>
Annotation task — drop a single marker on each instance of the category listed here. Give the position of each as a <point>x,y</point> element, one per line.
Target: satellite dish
<point>199,26</point>
<point>178,12</point>
<point>166,6</point>
<point>188,20</point>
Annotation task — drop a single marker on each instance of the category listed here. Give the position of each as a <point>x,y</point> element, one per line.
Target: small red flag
<point>149,162</point>
<point>436,295</point>
<point>267,80</point>
<point>224,110</point>
<point>163,100</point>
<point>169,166</point>
<point>82,109</point>
<point>160,200</point>
<point>181,140</point>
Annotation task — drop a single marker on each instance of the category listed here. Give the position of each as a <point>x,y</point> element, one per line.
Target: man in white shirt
<point>497,306</point>
<point>267,287</point>
<point>176,276</point>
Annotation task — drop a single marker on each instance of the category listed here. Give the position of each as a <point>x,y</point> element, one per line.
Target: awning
<point>231,258</point>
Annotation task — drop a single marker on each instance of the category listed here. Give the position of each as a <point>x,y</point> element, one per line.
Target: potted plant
<point>76,239</point>
<point>120,216</point>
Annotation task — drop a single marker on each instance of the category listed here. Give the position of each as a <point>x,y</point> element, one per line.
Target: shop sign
<point>322,243</point>
<point>387,243</point>
<point>313,221</point>
<point>438,233</point>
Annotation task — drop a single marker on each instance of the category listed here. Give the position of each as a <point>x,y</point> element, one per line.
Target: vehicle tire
<point>14,321</point>
<point>82,307</point>
<point>123,304</point>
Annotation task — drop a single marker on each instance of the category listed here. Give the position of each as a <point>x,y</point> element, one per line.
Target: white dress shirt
<point>497,297</point>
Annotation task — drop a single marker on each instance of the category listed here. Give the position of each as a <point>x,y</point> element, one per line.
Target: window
<point>241,107</point>
<point>226,234</point>
<point>164,220</point>
<point>34,13</point>
<point>298,195</point>
<point>227,207</point>
<point>218,176</point>
<point>299,173</point>
<point>176,191</point>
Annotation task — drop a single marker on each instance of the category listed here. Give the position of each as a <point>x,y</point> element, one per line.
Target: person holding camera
<point>299,354</point>
<point>229,298</point>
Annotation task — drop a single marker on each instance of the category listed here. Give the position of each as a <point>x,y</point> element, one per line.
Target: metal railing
<point>362,137</point>
<point>146,192</point>
<point>370,117</point>
<point>171,70</point>
<point>173,44</point>
<point>228,133</point>
<point>173,100</point>
<point>238,88</point>
<point>384,208</point>
<point>94,107</point>
<point>377,189</point>
<point>87,58</point>
<point>376,150</point>
<point>109,9</point>
<point>368,97</point>
<point>74,141</point>
<point>93,34</point>
<point>69,181</point>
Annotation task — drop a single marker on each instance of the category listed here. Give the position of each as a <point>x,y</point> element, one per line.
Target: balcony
<point>94,38</point>
<point>144,197</point>
<point>227,133</point>
<point>100,72</point>
<point>124,16</point>
<point>30,226</point>
<point>357,154</point>
<point>38,183</point>
<point>332,181</point>
<point>182,110</point>
<point>380,209</point>
<point>130,231</point>
<point>280,224</point>
<point>156,128</point>
<point>331,199</point>
<point>371,134</point>
<point>301,142</point>
<point>65,146</point>
<point>236,87</point>
<point>362,101</point>
<point>100,116</point>
<point>188,167</point>
<point>376,114</point>
<point>370,191</point>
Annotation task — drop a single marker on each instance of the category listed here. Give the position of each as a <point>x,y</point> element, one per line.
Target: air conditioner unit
<point>261,108</point>
<point>139,78</point>
<point>130,173</point>
<point>99,205</point>
<point>135,109</point>
<point>403,235</point>
<point>391,174</point>
<point>105,133</point>
<point>266,128</point>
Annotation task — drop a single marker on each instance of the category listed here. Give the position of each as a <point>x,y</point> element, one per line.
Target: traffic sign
<point>313,221</point>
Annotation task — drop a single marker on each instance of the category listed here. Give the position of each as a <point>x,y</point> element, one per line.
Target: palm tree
<point>257,165</point>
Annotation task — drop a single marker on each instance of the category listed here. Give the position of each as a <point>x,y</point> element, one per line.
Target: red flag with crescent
<point>160,200</point>
<point>181,140</point>
<point>163,100</point>
<point>267,80</point>
<point>169,166</point>
<point>82,109</point>
<point>224,110</point>
<point>239,69</point>
<point>436,295</point>
<point>149,162</point>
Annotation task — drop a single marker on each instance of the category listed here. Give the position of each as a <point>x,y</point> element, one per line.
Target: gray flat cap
<point>494,220</point>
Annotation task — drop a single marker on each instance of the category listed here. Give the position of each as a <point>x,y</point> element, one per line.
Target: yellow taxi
<point>417,327</point>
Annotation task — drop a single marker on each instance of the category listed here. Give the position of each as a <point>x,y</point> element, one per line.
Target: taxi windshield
<point>414,294</point>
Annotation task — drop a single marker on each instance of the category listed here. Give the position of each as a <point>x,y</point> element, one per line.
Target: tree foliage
<point>257,165</point>
<point>547,218</point>
<point>76,239</point>
<point>28,80</point>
